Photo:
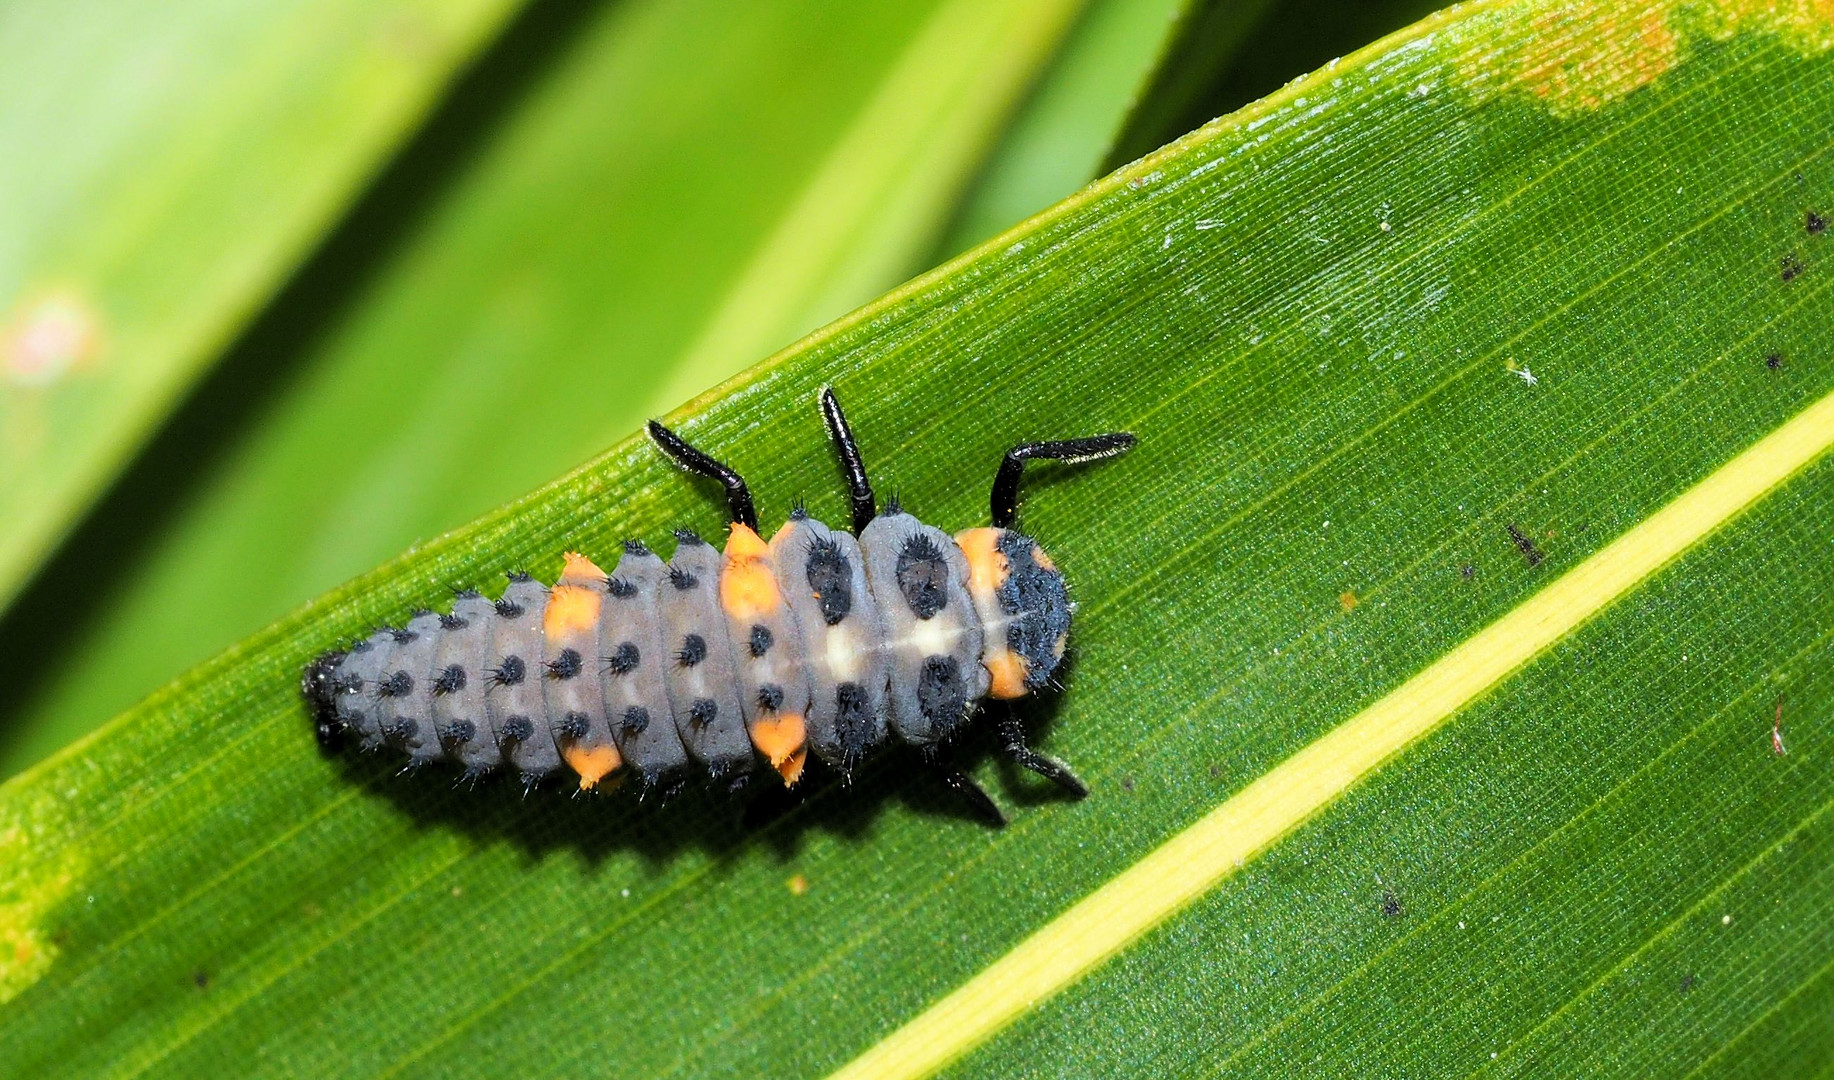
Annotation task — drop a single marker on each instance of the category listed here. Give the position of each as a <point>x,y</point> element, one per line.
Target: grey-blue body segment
<point>875,638</point>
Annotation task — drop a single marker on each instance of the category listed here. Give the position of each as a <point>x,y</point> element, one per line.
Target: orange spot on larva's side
<point>580,570</point>
<point>1039,557</point>
<point>782,740</point>
<point>748,589</point>
<point>1008,672</point>
<point>987,568</point>
<point>573,604</point>
<point>1347,600</point>
<point>592,763</point>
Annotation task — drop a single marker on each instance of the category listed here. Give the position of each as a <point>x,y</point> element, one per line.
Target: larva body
<point>722,664</point>
<point>713,663</point>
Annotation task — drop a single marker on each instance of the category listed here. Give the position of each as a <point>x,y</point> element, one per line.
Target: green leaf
<point>166,165</point>
<point>539,262</point>
<point>1581,854</point>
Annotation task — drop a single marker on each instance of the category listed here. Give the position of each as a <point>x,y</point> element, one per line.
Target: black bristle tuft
<point>688,538</point>
<point>636,547</point>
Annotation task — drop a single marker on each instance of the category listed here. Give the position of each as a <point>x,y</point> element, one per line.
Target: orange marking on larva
<point>592,763</point>
<point>573,605</point>
<point>987,567</point>
<point>1008,671</point>
<point>748,589</point>
<point>572,610</point>
<point>782,740</point>
<point>1043,560</point>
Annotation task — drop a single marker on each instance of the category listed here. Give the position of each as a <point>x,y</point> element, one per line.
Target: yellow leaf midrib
<point>1203,855</point>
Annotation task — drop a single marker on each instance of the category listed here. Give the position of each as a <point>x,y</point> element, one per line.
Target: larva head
<point>319,687</point>
<point>1021,598</point>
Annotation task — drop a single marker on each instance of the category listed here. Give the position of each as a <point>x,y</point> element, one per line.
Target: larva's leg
<point>1012,744</point>
<point>1071,451</point>
<point>937,760</point>
<point>738,496</point>
<point>859,488</point>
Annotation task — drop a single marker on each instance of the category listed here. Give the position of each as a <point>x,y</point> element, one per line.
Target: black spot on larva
<point>466,594</point>
<point>636,719</point>
<point>458,732</point>
<point>681,579</point>
<point>1526,546</point>
<point>688,538</point>
<point>403,636</point>
<point>893,506</point>
<point>349,683</point>
<point>830,579</point>
<point>760,640</point>
<point>1814,223</point>
<point>1774,361</point>
<point>1791,267</point>
<point>852,719</point>
<point>574,725</point>
<point>636,547</point>
<point>395,684</point>
<point>942,696</point>
<point>703,711</point>
<point>625,660</point>
<point>508,672</point>
<point>799,511</point>
<point>518,575</point>
<point>923,576</point>
<point>401,728</point>
<point>693,650</point>
<point>620,588</point>
<point>449,681</point>
<point>452,622</point>
<point>508,609</point>
<point>770,697</point>
<point>566,665</point>
<point>1391,904</point>
<point>517,729</point>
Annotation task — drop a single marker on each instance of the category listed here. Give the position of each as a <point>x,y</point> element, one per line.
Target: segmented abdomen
<point>817,642</point>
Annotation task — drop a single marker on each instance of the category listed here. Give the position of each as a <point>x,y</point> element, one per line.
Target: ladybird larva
<point>820,642</point>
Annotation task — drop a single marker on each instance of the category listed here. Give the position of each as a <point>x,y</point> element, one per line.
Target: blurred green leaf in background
<point>615,206</point>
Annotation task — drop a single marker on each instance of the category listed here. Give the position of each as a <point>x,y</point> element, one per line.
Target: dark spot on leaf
<point>1687,982</point>
<point>1814,223</point>
<point>1127,783</point>
<point>1467,571</point>
<point>1774,361</point>
<point>1792,267</point>
<point>1391,904</point>
<point>201,979</point>
<point>1526,546</point>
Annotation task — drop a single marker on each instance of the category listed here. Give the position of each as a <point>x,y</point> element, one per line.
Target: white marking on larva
<point>842,655</point>
<point>931,637</point>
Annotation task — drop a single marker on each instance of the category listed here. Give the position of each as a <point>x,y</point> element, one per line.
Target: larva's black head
<point>319,688</point>
<point>1034,593</point>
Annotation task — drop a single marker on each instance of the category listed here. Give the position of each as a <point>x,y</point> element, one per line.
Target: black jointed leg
<point>1072,451</point>
<point>1012,744</point>
<point>738,496</point>
<point>936,758</point>
<point>859,488</point>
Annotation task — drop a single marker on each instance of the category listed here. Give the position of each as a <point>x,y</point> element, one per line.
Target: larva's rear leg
<point>1012,744</point>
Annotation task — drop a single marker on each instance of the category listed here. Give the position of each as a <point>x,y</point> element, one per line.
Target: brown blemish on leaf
<point>1576,55</point>
<point>1347,600</point>
<point>38,872</point>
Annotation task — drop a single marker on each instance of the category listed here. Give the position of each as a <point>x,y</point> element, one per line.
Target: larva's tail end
<point>319,688</point>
